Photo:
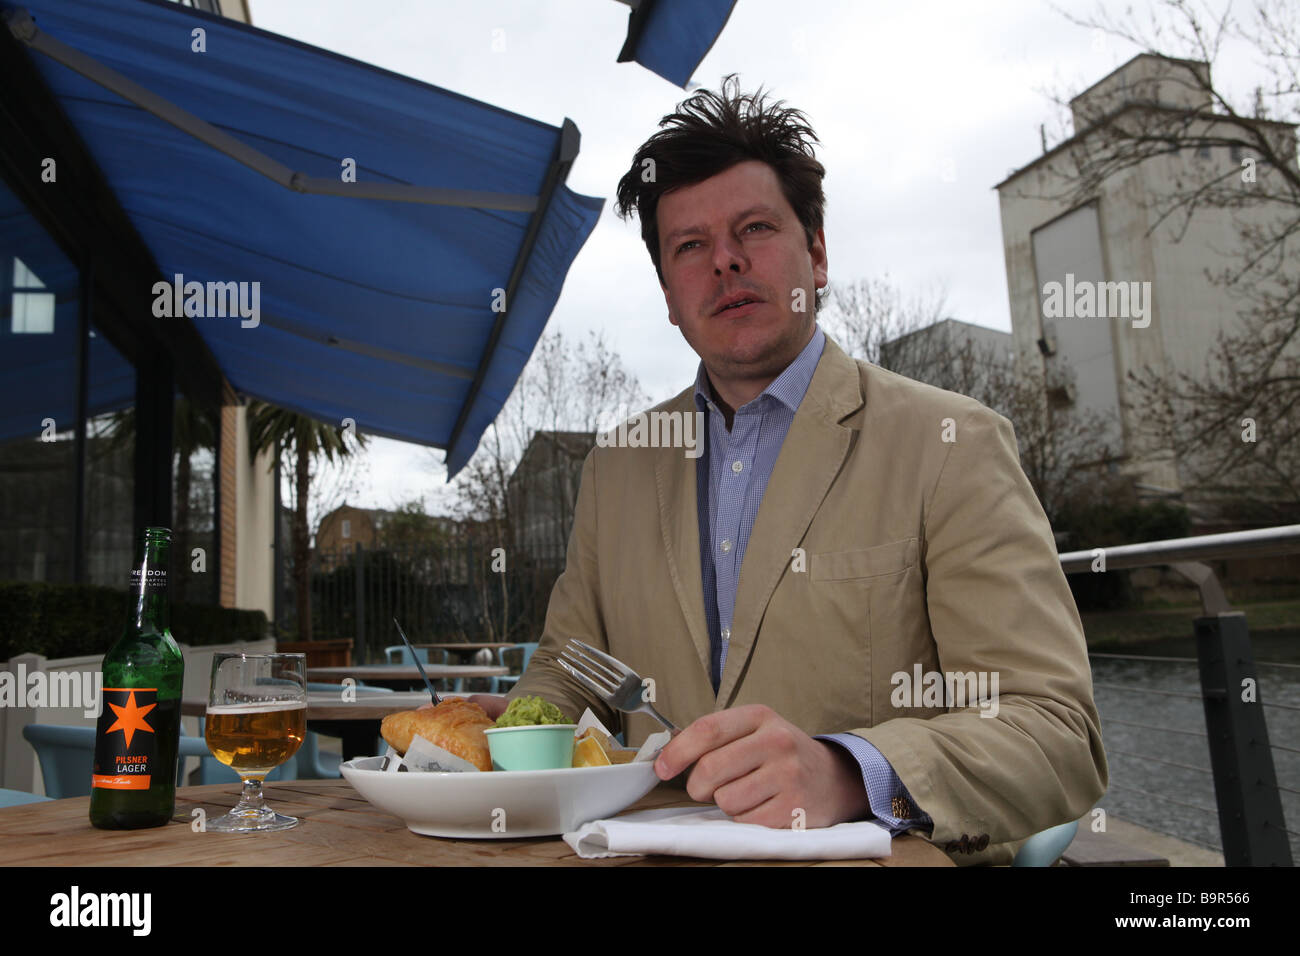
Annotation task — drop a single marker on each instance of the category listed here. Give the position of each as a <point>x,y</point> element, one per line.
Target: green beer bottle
<point>133,783</point>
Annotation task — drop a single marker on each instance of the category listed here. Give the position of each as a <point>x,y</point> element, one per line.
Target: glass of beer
<point>256,720</point>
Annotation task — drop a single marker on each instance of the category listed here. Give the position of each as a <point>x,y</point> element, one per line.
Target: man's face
<point>736,235</point>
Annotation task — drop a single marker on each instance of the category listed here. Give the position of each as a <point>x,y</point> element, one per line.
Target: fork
<point>610,679</point>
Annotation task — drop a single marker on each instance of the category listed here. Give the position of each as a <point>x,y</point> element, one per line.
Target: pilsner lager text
<point>254,739</point>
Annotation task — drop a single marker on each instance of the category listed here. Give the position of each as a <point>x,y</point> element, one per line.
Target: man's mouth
<point>736,304</point>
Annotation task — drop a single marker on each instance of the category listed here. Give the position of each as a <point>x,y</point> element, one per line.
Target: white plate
<point>501,804</point>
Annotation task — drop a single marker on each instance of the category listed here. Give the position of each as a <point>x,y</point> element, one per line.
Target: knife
<point>427,683</point>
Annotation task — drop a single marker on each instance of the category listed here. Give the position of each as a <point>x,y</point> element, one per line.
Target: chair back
<point>401,654</point>
<point>529,649</point>
<point>1046,847</point>
<point>502,684</point>
<point>67,756</point>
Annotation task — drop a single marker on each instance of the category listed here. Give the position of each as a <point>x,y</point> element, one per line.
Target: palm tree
<point>297,440</point>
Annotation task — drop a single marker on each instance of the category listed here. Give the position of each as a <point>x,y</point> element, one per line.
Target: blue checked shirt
<point>731,476</point>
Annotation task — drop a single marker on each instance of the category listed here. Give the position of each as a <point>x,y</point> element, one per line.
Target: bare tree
<point>567,386</point>
<point>1234,426</point>
<point>1063,450</point>
<point>866,316</point>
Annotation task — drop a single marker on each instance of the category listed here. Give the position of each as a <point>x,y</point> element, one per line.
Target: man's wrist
<point>849,800</point>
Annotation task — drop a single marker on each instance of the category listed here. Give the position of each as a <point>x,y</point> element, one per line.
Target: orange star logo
<point>130,719</point>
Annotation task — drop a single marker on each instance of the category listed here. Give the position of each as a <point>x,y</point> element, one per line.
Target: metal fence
<point>463,592</point>
<point>1164,741</point>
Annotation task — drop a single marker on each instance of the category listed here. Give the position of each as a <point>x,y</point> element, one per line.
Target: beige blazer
<point>922,546</point>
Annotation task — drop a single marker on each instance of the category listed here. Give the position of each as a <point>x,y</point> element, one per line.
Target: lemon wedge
<point>588,752</point>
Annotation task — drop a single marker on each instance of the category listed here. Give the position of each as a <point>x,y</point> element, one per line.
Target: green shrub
<point>73,620</point>
<point>1100,524</point>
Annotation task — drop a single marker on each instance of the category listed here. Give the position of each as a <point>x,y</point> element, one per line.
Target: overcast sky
<point>920,107</point>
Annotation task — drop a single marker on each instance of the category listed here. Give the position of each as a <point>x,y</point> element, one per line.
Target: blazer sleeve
<point>573,612</point>
<point>998,602</point>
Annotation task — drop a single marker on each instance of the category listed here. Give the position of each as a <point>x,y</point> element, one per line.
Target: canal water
<point>1153,729</point>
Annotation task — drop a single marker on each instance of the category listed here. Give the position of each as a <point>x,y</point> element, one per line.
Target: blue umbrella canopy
<point>380,249</point>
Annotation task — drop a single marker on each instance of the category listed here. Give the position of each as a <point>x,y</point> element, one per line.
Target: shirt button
<point>737,467</point>
<point>726,633</point>
<point>726,545</point>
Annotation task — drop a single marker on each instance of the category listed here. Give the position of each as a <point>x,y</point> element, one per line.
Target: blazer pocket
<point>867,563</point>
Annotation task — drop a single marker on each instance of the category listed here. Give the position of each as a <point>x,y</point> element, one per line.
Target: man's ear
<point>818,254</point>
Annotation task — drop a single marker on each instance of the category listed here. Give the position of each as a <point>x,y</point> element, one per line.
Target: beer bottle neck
<point>149,586</point>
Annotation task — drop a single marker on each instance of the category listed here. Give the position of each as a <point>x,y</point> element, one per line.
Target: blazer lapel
<point>679,523</point>
<point>811,457</point>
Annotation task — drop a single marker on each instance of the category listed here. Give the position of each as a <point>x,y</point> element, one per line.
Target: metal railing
<point>453,593</point>
<point>1247,792</point>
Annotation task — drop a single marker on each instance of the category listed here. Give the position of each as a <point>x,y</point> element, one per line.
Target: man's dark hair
<point>710,133</point>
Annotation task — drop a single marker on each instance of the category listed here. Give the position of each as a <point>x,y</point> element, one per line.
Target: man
<point>848,541</point>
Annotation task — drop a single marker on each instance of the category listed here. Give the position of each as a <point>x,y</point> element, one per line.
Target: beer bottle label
<point>126,746</point>
<point>148,579</point>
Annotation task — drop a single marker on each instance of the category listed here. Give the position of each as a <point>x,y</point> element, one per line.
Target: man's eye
<point>693,242</point>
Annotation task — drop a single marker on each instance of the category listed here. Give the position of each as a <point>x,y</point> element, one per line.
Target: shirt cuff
<point>890,802</point>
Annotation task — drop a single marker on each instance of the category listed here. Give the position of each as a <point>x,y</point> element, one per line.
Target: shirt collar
<point>788,388</point>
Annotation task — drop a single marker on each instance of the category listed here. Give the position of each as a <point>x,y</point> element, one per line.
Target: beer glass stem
<point>251,800</point>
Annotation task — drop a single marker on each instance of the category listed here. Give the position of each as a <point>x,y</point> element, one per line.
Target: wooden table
<point>384,674</point>
<point>338,828</point>
<point>355,723</point>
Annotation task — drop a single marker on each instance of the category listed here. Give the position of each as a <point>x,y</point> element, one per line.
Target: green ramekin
<point>532,747</point>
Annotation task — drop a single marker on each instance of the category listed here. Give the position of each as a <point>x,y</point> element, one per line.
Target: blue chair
<point>502,684</point>
<point>16,798</point>
<point>314,763</point>
<point>1044,849</point>
<point>317,764</point>
<point>401,654</point>
<point>67,753</point>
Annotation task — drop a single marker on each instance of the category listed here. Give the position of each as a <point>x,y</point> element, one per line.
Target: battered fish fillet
<point>455,725</point>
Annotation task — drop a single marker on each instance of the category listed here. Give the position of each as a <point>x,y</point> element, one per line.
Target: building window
<point>347,528</point>
<point>1202,152</point>
<point>40,293</point>
<point>208,6</point>
<point>33,305</point>
<point>1235,152</point>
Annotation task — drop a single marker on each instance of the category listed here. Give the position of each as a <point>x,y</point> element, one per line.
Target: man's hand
<point>494,705</point>
<point>760,768</point>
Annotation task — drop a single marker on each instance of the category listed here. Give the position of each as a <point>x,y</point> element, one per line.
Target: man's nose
<point>730,254</point>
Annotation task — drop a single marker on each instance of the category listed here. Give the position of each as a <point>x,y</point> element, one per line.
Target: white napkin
<point>708,832</point>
